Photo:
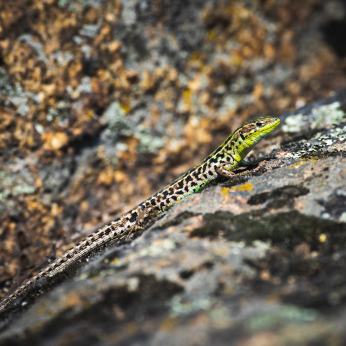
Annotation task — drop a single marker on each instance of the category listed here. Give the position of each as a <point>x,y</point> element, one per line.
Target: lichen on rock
<point>104,102</point>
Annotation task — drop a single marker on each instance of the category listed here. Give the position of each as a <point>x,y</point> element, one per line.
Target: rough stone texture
<point>257,260</point>
<point>104,102</point>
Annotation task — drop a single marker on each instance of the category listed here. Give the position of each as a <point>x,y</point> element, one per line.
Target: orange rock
<point>54,141</point>
<point>114,46</point>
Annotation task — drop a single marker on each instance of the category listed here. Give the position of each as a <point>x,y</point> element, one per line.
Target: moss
<point>280,197</point>
<point>287,229</point>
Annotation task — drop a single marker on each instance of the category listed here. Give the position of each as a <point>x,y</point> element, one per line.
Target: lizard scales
<point>227,157</point>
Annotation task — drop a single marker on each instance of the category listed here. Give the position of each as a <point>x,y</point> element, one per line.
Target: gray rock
<point>261,256</point>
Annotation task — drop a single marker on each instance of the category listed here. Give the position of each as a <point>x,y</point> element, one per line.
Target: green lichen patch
<point>320,118</point>
<point>80,5</point>
<point>149,143</point>
<point>10,186</point>
<point>182,306</point>
<point>116,120</point>
<point>281,316</point>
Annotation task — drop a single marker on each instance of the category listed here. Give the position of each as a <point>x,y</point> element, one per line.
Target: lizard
<point>221,162</point>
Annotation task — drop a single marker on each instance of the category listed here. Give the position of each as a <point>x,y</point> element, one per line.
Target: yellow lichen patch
<point>221,252</point>
<point>245,187</point>
<point>322,238</point>
<point>305,161</point>
<point>297,164</point>
<point>115,260</point>
<point>211,34</point>
<point>88,116</point>
<point>310,159</point>
<point>225,190</point>
<point>187,98</point>
<point>126,107</point>
<point>197,59</point>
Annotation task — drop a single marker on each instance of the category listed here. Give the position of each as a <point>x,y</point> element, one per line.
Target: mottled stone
<point>260,256</point>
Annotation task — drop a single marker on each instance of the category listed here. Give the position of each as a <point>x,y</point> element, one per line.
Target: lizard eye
<point>258,124</point>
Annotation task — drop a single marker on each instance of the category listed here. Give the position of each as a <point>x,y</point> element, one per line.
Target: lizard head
<point>248,135</point>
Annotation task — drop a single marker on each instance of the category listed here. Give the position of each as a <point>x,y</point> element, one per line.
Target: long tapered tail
<point>112,232</point>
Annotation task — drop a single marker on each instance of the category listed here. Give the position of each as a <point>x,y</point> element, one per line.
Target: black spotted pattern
<point>133,217</point>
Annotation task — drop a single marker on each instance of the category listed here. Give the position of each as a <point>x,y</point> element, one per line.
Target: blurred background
<point>103,102</point>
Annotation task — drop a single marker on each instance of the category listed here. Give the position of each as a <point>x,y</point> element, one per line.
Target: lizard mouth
<point>266,129</point>
<point>271,126</point>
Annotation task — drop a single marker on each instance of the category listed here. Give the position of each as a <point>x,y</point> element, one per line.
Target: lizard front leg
<point>224,172</point>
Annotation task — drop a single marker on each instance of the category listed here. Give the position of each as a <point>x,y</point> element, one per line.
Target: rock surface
<point>103,102</point>
<point>257,260</point>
